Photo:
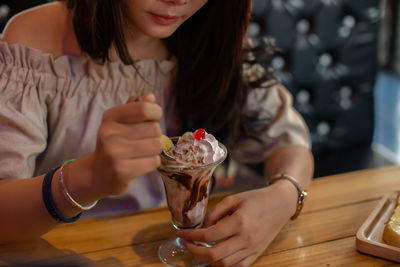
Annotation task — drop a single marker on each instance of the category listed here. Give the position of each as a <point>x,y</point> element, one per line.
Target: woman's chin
<point>161,31</point>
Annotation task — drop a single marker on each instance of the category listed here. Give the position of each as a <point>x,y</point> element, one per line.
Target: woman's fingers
<point>233,246</point>
<point>134,112</point>
<point>224,208</point>
<point>243,224</point>
<point>234,249</point>
<point>128,144</point>
<point>219,231</point>
<point>120,148</point>
<point>218,253</point>
<point>149,98</point>
<point>135,131</point>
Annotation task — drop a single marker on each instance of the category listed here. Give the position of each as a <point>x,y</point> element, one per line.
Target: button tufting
<point>345,92</point>
<point>323,128</point>
<point>325,44</point>
<point>326,60</point>
<point>303,97</point>
<point>344,32</point>
<point>4,11</point>
<point>278,63</point>
<point>349,21</point>
<point>303,26</point>
<point>345,103</point>
<point>253,30</point>
<point>373,13</point>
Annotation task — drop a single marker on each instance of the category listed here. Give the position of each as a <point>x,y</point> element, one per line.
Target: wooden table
<point>324,234</point>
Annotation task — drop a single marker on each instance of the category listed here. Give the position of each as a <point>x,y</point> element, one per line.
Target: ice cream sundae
<point>187,164</point>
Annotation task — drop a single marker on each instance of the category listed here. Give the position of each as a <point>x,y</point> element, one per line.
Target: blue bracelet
<point>49,202</point>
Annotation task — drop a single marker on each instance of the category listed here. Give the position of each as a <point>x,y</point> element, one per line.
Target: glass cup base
<point>174,253</point>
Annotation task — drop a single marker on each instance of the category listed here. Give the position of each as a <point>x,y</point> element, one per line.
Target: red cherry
<point>199,134</point>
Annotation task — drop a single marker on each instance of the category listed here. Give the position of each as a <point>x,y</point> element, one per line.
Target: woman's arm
<point>296,161</point>
<point>22,210</point>
<point>128,145</point>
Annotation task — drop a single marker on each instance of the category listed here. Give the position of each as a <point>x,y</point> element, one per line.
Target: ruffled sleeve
<point>23,127</point>
<point>46,103</point>
<point>272,121</point>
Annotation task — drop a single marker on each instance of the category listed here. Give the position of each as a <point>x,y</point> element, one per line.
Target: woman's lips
<point>164,19</point>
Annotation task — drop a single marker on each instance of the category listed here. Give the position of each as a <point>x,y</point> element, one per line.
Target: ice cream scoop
<point>194,149</point>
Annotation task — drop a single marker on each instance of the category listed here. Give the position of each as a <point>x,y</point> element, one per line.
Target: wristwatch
<point>302,194</point>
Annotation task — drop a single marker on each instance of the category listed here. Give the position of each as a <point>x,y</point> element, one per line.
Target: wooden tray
<point>369,235</point>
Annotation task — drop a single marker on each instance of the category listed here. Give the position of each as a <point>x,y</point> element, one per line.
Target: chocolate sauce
<point>198,191</point>
<point>182,178</point>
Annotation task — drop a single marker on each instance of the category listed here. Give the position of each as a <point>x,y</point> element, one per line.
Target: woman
<point>71,76</point>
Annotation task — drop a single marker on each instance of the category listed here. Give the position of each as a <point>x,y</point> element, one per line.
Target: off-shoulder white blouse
<point>51,109</point>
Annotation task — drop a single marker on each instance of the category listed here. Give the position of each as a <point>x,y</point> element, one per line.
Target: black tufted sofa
<point>327,60</point>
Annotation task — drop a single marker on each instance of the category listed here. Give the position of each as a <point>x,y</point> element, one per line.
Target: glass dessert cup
<point>187,190</point>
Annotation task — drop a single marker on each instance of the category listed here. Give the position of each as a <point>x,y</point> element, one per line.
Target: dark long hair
<point>209,91</point>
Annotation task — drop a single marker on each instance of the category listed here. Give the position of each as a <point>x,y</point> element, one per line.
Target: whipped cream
<point>190,151</point>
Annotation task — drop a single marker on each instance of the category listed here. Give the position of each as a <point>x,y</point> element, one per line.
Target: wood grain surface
<point>323,235</point>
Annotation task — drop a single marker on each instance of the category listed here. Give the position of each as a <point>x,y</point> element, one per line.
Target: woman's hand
<point>128,145</point>
<point>252,219</point>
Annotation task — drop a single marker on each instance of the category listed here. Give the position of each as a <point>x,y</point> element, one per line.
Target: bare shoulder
<point>41,27</point>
